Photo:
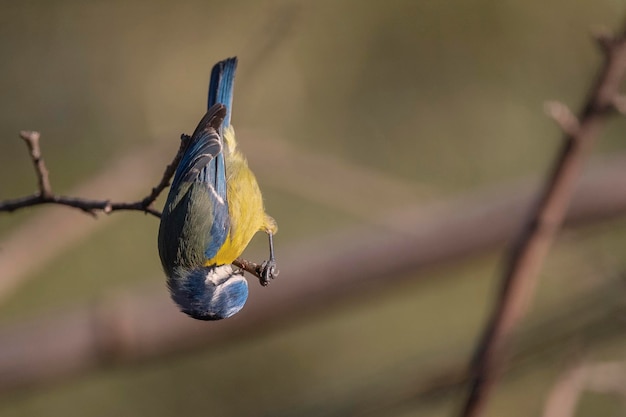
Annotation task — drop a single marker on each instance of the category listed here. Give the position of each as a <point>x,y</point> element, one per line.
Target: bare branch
<point>46,196</point>
<point>32,141</point>
<point>247,266</point>
<point>602,377</point>
<point>563,116</point>
<point>619,102</point>
<point>565,393</point>
<point>167,174</point>
<point>604,39</point>
<point>92,207</point>
<point>607,377</point>
<point>253,268</point>
<point>525,257</point>
<point>143,324</point>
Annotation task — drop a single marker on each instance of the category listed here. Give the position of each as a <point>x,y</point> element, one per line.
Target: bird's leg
<point>267,270</point>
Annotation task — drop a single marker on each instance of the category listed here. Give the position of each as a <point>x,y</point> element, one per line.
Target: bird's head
<point>209,293</point>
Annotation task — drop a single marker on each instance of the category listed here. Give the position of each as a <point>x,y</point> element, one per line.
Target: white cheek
<point>218,274</point>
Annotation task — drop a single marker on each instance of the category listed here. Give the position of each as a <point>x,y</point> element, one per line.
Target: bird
<point>213,209</point>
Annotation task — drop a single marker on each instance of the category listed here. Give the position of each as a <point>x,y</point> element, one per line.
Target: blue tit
<point>213,209</point>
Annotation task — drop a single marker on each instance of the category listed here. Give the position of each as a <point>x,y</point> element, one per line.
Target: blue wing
<point>195,221</point>
<point>203,148</point>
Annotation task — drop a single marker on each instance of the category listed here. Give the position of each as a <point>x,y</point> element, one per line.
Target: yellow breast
<point>245,204</point>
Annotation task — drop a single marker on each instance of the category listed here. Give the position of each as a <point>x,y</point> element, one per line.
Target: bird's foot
<point>266,272</point>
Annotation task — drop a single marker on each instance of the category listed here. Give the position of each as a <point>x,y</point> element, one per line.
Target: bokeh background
<point>348,111</point>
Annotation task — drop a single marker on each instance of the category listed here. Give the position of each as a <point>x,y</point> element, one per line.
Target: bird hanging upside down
<point>213,209</point>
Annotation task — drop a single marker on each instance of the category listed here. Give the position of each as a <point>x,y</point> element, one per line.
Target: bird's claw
<point>267,271</point>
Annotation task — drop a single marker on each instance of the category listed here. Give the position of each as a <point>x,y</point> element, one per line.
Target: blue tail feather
<point>221,86</point>
<point>221,91</point>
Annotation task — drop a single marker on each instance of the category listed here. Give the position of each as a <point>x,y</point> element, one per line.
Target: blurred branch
<point>603,377</point>
<point>563,397</point>
<point>586,321</point>
<point>529,250</point>
<point>607,378</point>
<point>324,272</point>
<point>89,206</point>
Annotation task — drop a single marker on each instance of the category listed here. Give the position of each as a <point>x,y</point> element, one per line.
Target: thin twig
<point>601,377</point>
<point>32,141</point>
<point>247,266</point>
<point>528,252</point>
<point>563,116</point>
<point>566,392</point>
<point>46,196</point>
<point>251,267</point>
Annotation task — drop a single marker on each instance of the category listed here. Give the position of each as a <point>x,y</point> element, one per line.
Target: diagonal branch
<point>526,255</point>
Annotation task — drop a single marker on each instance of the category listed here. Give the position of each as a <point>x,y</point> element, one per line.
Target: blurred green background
<point>439,97</point>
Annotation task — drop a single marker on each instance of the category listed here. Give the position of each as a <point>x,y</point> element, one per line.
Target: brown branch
<point>89,206</point>
<point>143,324</point>
<point>254,269</point>
<point>566,392</point>
<point>563,116</point>
<point>602,377</point>
<point>46,196</point>
<point>528,252</point>
<point>247,266</point>
<point>32,141</point>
